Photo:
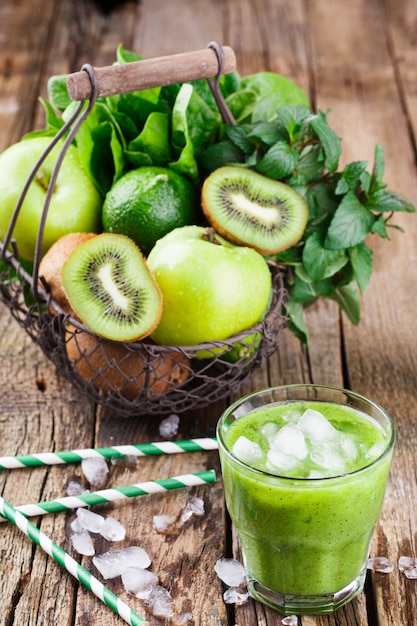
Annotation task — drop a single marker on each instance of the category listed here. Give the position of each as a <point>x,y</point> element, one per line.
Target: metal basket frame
<point>206,380</point>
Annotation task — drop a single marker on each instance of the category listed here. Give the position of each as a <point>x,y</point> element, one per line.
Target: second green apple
<point>211,289</point>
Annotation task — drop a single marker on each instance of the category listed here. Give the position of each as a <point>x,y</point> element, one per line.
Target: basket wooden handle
<point>155,72</point>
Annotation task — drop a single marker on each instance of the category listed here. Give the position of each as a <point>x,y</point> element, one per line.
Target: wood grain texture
<point>357,59</point>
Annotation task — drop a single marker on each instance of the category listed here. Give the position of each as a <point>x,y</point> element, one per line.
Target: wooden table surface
<point>356,58</point>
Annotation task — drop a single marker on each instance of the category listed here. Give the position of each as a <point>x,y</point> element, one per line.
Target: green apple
<point>75,204</point>
<point>211,289</point>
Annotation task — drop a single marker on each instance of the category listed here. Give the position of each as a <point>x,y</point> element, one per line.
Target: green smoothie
<point>304,485</point>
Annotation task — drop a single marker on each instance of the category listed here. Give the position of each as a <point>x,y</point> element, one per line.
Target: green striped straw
<point>117,493</point>
<point>112,452</point>
<point>70,564</point>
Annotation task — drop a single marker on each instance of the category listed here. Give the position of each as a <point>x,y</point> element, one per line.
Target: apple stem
<point>209,235</point>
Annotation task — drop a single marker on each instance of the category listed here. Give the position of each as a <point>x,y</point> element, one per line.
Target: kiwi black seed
<point>250,209</point>
<point>111,288</point>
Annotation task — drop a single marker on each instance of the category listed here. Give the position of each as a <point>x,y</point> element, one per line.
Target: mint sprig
<point>332,259</point>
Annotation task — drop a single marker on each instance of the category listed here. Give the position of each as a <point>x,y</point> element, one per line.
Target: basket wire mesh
<point>137,378</point>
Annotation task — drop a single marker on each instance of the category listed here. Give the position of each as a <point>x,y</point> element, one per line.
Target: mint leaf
<point>347,298</point>
<point>361,260</point>
<point>320,262</point>
<point>297,320</point>
<point>278,162</point>
<point>330,141</point>
<point>350,225</point>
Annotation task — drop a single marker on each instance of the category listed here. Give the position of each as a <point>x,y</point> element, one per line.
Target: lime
<point>147,203</point>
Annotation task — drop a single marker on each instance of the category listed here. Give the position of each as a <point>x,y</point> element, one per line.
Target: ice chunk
<point>380,564</point>
<point>247,451</point>
<point>82,543</point>
<point>290,439</point>
<point>95,469</point>
<point>163,524</point>
<point>169,426</point>
<point>268,430</point>
<point>74,488</point>
<point>281,461</point>
<point>348,447</point>
<point>90,521</point>
<point>184,619</point>
<point>290,620</point>
<point>408,565</point>
<point>235,595</point>
<point>76,526</point>
<point>375,451</point>
<point>112,530</point>
<point>327,457</point>
<point>292,415</point>
<point>139,581</point>
<point>316,427</point>
<point>231,572</point>
<point>160,603</point>
<point>113,563</point>
<point>195,506</point>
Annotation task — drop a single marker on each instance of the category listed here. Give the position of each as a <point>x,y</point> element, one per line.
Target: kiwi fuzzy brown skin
<point>51,265</point>
<point>271,215</point>
<point>111,367</point>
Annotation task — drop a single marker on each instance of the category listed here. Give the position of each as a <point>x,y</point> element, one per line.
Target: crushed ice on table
<point>90,521</point>
<point>76,526</point>
<point>164,524</point>
<point>95,469</point>
<point>112,530</point>
<point>169,426</point>
<point>75,488</point>
<point>408,565</point>
<point>235,595</point>
<point>194,506</point>
<point>111,564</point>
<point>139,581</point>
<point>82,543</point>
<point>231,572</point>
<point>184,619</point>
<point>380,564</point>
<point>290,620</point>
<point>160,602</point>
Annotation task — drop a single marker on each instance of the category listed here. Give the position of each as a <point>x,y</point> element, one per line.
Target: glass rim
<point>389,444</point>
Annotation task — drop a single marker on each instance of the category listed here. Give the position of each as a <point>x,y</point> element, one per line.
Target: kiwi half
<point>250,209</point>
<point>117,369</point>
<point>111,288</point>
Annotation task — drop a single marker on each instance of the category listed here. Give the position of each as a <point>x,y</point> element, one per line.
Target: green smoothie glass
<point>305,469</point>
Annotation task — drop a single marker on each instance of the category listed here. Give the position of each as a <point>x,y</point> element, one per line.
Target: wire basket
<point>140,378</point>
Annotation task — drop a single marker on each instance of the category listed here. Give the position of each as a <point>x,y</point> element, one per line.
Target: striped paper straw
<point>117,493</point>
<point>70,564</point>
<point>112,452</point>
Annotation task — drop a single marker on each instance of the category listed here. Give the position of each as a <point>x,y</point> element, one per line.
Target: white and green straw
<point>112,452</point>
<point>70,564</point>
<point>117,493</point>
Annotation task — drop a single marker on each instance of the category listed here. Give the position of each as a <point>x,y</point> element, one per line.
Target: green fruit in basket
<point>147,203</point>
<point>75,203</point>
<point>110,288</point>
<point>211,288</point>
<point>250,209</point>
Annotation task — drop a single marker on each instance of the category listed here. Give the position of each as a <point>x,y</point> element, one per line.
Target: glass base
<point>305,605</point>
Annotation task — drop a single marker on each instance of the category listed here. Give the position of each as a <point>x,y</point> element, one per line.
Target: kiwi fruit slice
<point>111,288</point>
<point>50,268</point>
<point>250,209</point>
<point>126,371</point>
